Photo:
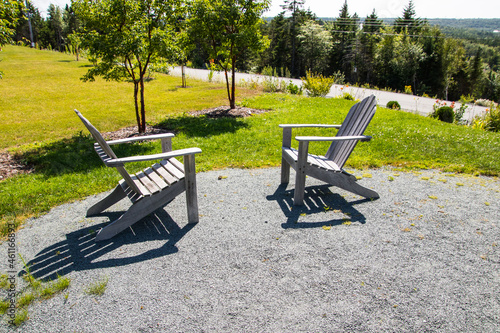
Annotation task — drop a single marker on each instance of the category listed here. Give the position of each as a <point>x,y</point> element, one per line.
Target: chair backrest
<point>96,135</point>
<point>355,123</point>
<point>107,150</point>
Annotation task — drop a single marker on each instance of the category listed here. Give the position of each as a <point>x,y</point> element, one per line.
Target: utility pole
<point>28,15</point>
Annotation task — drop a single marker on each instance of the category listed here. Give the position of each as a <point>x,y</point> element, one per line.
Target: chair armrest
<point>308,125</point>
<point>334,138</point>
<point>181,152</point>
<point>141,138</point>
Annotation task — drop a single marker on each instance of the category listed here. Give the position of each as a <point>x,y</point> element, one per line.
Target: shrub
<point>393,105</point>
<point>293,89</point>
<point>492,119</point>
<point>483,102</point>
<point>348,97</point>
<point>317,85</point>
<point>444,113</point>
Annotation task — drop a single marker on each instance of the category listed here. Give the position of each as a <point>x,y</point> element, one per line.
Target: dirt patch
<point>10,166</point>
<point>226,111</point>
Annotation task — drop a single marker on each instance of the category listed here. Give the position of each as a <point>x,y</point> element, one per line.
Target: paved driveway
<point>410,103</point>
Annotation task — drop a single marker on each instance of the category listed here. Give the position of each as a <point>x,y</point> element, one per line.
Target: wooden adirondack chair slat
<point>165,174</point>
<point>177,164</point>
<point>354,125</point>
<point>328,168</point>
<point>149,189</point>
<point>155,178</point>
<point>170,167</point>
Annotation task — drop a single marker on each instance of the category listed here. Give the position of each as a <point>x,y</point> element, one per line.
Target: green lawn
<point>40,90</point>
<point>67,168</point>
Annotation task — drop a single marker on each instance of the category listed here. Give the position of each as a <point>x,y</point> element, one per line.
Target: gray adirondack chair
<point>149,189</point>
<point>328,168</point>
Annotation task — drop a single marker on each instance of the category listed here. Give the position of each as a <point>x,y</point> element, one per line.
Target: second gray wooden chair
<point>328,168</point>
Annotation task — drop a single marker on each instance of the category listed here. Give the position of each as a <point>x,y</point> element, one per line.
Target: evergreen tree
<point>433,67</point>
<point>279,53</point>
<point>294,7</point>
<point>344,40</point>
<point>366,47</point>
<point>476,75</point>
<point>51,34</point>
<point>409,22</point>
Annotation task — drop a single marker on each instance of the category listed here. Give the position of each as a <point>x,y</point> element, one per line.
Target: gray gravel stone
<point>423,257</point>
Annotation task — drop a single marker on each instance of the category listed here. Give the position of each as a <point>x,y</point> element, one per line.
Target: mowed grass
<point>68,169</point>
<point>40,90</point>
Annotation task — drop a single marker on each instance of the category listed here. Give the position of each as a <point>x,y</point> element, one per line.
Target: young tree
<point>123,37</point>
<point>228,28</point>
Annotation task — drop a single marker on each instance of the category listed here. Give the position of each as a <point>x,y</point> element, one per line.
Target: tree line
<point>409,53</point>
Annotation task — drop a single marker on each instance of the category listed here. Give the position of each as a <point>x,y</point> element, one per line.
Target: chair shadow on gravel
<point>317,200</point>
<point>81,252</point>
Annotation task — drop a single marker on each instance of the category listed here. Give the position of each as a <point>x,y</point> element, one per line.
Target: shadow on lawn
<point>80,251</point>
<point>202,126</point>
<point>73,155</point>
<point>317,199</point>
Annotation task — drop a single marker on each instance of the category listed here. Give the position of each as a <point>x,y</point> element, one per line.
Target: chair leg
<point>349,183</point>
<point>285,166</point>
<point>107,202</point>
<point>191,192</point>
<point>136,212</point>
<point>285,171</point>
<point>140,209</point>
<point>300,177</point>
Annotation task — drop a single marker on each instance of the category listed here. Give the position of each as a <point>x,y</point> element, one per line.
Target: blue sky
<point>383,8</point>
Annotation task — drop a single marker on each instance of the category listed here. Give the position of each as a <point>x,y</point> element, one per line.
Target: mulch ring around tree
<point>226,111</point>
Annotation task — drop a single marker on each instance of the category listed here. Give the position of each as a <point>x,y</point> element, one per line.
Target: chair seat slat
<point>168,165</point>
<point>148,184</point>
<point>156,178</point>
<point>316,160</point>
<point>167,176</point>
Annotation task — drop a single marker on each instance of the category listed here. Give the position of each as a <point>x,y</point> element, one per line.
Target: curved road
<point>410,103</point>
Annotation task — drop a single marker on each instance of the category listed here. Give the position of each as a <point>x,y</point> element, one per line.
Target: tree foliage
<point>315,45</point>
<point>227,29</point>
<point>123,37</point>
<point>9,10</point>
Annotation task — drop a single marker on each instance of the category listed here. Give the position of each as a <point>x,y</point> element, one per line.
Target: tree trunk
<point>142,128</point>
<point>227,86</point>
<point>232,99</point>
<point>136,103</point>
<point>183,76</point>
